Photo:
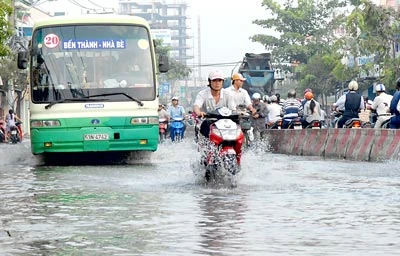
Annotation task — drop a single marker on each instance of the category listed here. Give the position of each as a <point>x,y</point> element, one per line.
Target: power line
<point>77,4</point>
<point>102,7</point>
<point>221,64</point>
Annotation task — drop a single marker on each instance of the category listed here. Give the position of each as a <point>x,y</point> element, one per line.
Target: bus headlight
<point>45,123</point>
<point>144,120</point>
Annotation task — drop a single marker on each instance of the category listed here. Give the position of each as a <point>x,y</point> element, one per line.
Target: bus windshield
<point>79,61</point>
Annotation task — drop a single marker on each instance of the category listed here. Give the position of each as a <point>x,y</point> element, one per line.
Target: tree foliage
<point>5,27</point>
<point>305,28</point>
<point>318,75</point>
<point>373,31</point>
<point>177,69</point>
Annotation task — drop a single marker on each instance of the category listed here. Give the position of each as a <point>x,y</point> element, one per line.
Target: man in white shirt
<point>240,96</point>
<point>274,111</point>
<point>381,105</point>
<point>211,98</point>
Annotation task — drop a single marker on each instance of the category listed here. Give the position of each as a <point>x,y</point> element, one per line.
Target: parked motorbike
<point>162,131</point>
<point>222,150</point>
<point>176,129</point>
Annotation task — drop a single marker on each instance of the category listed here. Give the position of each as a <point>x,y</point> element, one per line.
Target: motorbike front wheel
<point>230,164</point>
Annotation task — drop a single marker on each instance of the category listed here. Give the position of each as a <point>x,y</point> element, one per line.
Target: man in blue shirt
<point>395,120</point>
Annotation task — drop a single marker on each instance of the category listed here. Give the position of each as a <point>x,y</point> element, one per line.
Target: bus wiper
<point>71,100</point>
<point>118,93</point>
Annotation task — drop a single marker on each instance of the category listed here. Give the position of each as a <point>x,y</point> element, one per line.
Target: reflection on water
<point>154,205</point>
<point>220,224</point>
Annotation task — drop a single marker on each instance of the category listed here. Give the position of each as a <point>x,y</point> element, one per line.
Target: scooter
<point>16,133</point>
<point>315,124</point>
<point>162,131</point>
<point>354,123</point>
<point>176,129</point>
<point>222,150</point>
<point>277,125</point>
<point>296,124</point>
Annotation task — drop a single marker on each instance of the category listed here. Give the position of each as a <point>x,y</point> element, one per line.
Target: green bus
<point>93,85</point>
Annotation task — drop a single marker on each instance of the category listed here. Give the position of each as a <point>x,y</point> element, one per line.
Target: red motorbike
<point>222,149</point>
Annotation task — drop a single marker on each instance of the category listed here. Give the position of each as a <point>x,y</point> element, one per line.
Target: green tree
<point>318,75</point>
<point>177,69</point>
<point>5,27</point>
<point>373,31</point>
<point>304,26</point>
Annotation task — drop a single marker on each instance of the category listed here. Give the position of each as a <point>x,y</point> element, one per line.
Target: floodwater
<point>155,205</point>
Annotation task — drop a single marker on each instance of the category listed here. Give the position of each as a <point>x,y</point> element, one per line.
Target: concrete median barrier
<point>352,144</point>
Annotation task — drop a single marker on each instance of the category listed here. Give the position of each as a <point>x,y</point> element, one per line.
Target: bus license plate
<point>96,137</point>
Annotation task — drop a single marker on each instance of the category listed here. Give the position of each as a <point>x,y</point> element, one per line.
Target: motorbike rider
<point>394,108</point>
<point>304,100</point>
<point>258,119</point>
<point>352,102</point>
<point>211,98</point>
<point>163,115</point>
<point>280,101</point>
<point>240,95</point>
<point>176,112</point>
<point>273,111</point>
<point>381,105</point>
<point>291,109</point>
<point>11,120</point>
<point>312,109</point>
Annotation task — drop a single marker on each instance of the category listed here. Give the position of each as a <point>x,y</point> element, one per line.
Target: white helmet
<point>380,88</point>
<point>353,86</point>
<point>256,96</point>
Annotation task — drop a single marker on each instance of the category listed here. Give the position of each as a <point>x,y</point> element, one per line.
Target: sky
<point>225,28</point>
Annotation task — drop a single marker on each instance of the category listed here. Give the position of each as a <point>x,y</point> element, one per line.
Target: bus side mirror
<point>163,64</point>
<point>22,60</point>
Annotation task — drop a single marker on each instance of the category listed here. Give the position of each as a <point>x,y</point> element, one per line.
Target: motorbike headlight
<point>238,132</point>
<point>216,132</point>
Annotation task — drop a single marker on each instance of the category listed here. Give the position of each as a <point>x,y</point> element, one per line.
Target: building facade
<point>168,20</point>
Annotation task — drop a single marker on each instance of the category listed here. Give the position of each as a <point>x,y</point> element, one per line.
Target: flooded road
<point>283,205</point>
